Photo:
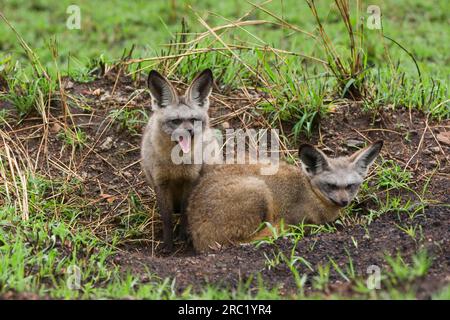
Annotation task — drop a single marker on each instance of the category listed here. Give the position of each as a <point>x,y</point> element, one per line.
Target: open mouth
<point>185,143</point>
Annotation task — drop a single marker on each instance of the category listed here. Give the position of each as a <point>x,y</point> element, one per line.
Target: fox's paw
<point>167,247</point>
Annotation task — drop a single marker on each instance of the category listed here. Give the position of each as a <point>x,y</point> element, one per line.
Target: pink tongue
<point>185,144</point>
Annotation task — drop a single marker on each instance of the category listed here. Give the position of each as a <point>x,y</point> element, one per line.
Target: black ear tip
<point>207,72</point>
<point>153,73</point>
<point>305,147</point>
<point>155,79</point>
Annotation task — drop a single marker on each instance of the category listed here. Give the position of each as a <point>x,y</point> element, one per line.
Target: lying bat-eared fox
<point>230,202</point>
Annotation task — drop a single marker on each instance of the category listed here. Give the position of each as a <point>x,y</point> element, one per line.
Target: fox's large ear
<point>163,93</point>
<point>364,158</point>
<point>200,89</point>
<point>313,160</point>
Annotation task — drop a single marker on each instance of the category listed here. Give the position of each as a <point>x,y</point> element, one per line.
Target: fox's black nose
<point>191,132</point>
<point>343,203</point>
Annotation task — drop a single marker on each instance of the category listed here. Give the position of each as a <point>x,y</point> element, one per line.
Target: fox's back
<point>283,184</point>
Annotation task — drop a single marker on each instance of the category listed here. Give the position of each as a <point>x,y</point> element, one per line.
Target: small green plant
<point>291,262</point>
<point>293,259</point>
<point>355,242</point>
<point>295,99</point>
<point>406,272</point>
<point>391,183</point>
<point>321,280</point>
<point>131,120</point>
<point>349,274</point>
<point>84,74</point>
<point>243,291</point>
<point>73,137</point>
<point>349,66</point>
<point>443,294</point>
<point>27,96</point>
<point>274,261</point>
<point>135,223</point>
<point>392,176</point>
<point>410,230</point>
<point>4,115</point>
<point>276,233</point>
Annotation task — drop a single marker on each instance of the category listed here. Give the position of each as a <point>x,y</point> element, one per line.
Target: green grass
<point>4,115</point>
<point>131,120</point>
<point>74,138</point>
<point>37,253</point>
<point>443,294</point>
<point>108,28</point>
<point>28,94</point>
<point>299,87</point>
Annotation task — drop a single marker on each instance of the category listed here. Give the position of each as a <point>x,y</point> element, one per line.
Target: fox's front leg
<point>164,199</point>
<point>183,234</point>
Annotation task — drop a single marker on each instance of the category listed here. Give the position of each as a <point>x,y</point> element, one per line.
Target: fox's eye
<point>331,186</point>
<point>194,119</point>
<point>350,186</point>
<point>175,122</point>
